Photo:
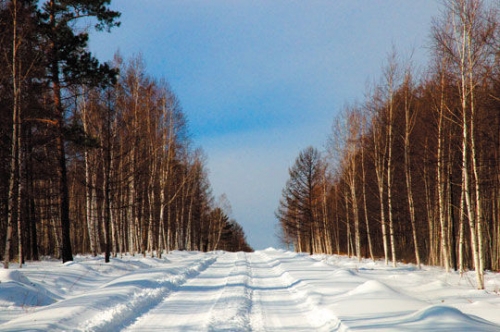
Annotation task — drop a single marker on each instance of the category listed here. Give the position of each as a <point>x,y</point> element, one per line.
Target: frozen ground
<point>269,290</point>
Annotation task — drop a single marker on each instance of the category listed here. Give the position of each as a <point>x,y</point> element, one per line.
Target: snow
<point>269,290</point>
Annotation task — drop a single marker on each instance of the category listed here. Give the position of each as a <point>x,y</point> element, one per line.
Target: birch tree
<point>465,37</point>
<point>410,116</point>
<point>391,77</point>
<point>353,120</point>
<point>364,184</point>
<point>15,162</point>
<point>21,57</point>
<point>379,161</point>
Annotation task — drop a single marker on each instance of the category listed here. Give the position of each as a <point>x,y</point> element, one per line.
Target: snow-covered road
<point>218,297</point>
<point>270,290</point>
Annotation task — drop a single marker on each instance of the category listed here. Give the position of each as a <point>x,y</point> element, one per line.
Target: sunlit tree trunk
<point>349,245</point>
<point>108,224</point>
<point>326,229</point>
<point>475,169</point>
<point>432,258</point>
<point>353,123</point>
<point>379,159</point>
<point>337,218</point>
<point>461,261</point>
<point>90,208</point>
<point>364,184</point>
<point>391,82</point>
<point>441,181</point>
<point>409,124</point>
<point>13,193</point>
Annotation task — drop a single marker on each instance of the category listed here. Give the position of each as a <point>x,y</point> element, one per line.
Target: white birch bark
<point>409,123</point>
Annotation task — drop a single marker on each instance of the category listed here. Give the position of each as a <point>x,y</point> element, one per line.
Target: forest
<point>95,157</point>
<point>412,172</point>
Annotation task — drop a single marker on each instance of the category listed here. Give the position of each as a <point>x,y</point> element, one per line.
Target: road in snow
<point>270,290</point>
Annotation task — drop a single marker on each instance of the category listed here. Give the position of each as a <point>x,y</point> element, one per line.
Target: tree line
<point>412,172</point>
<point>94,157</point>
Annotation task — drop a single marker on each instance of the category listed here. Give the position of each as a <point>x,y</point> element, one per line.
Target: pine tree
<point>68,63</point>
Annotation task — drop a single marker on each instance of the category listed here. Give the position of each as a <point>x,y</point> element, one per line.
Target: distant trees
<point>422,155</point>
<point>300,208</point>
<point>92,162</point>
<point>142,177</point>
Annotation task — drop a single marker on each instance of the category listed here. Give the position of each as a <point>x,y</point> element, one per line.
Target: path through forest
<point>269,290</point>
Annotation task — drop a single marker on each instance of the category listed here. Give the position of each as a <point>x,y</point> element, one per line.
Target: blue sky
<point>261,80</point>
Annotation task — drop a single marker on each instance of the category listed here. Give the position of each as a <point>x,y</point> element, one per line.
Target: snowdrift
<point>269,290</point>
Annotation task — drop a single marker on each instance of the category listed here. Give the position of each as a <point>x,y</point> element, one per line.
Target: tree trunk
<point>89,193</point>
<point>379,158</point>
<point>66,250</point>
<point>365,208</point>
<point>107,187</point>
<point>15,149</point>
<point>390,166</point>
<point>409,122</point>
<point>355,211</point>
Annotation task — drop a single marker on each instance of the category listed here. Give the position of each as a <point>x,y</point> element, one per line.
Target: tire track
<point>283,302</point>
<point>231,310</point>
<point>197,303</point>
<point>149,293</point>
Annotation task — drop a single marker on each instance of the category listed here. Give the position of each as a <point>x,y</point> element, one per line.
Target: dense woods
<point>94,157</point>
<point>97,157</point>
<point>412,172</point>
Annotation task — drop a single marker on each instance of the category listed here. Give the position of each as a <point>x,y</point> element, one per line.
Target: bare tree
<point>297,205</point>
<point>22,64</point>
<point>379,160</point>
<point>15,164</point>
<point>365,184</point>
<point>409,125</point>
<point>353,122</point>
<point>465,37</point>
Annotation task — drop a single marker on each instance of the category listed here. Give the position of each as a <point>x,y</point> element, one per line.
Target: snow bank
<point>269,290</point>
<point>17,291</point>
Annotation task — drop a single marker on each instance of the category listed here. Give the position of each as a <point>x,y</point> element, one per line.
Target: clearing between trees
<point>268,290</point>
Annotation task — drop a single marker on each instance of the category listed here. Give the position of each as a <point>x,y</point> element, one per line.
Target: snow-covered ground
<point>269,290</point>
